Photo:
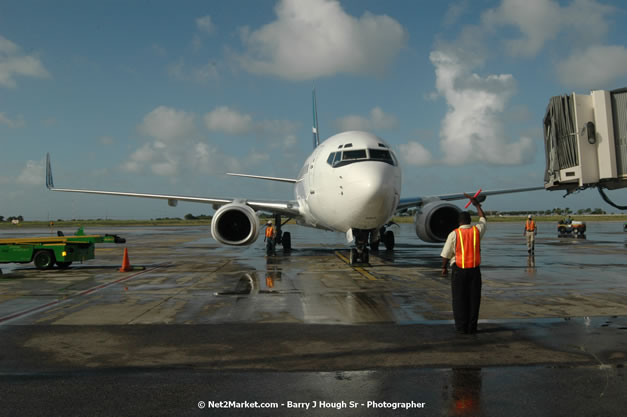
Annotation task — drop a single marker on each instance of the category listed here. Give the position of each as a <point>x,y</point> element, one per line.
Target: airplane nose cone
<point>373,193</point>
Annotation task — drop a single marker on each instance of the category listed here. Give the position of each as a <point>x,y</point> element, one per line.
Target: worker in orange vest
<point>463,251</point>
<point>530,231</point>
<point>269,238</point>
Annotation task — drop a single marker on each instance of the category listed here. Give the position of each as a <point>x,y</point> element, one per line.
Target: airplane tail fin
<point>316,136</point>
<point>49,181</point>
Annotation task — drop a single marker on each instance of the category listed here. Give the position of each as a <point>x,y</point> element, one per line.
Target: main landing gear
<point>282,238</point>
<point>382,235</point>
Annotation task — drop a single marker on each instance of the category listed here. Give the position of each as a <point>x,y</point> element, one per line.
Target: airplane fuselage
<point>351,181</point>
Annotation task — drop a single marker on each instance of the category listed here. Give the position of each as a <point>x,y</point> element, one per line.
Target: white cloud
<point>173,149</point>
<point>256,157</point>
<point>163,159</point>
<point>316,38</point>
<point>205,24</point>
<point>174,146</point>
<point>4,120</point>
<point>199,74</point>
<point>32,173</point>
<point>167,124</point>
<point>289,141</point>
<point>413,153</point>
<point>276,132</point>
<point>276,128</point>
<point>455,11</point>
<point>540,21</point>
<point>472,130</point>
<point>168,168</point>
<point>139,158</point>
<point>13,63</point>
<point>378,120</point>
<point>596,67</point>
<point>209,159</point>
<point>223,119</point>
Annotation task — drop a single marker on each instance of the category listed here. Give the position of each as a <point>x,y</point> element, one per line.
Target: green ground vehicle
<point>61,250</point>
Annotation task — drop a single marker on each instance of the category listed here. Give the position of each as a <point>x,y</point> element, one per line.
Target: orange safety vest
<point>530,226</point>
<point>269,231</point>
<point>467,248</point>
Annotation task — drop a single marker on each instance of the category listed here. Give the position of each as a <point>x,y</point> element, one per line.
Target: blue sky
<point>165,97</point>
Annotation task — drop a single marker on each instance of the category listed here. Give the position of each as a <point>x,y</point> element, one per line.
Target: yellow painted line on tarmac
<point>359,269</point>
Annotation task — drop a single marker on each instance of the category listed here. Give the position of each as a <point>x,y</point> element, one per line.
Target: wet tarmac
<point>552,326</point>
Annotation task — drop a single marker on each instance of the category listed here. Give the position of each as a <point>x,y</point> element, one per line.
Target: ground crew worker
<point>463,249</point>
<point>530,231</point>
<point>269,239</point>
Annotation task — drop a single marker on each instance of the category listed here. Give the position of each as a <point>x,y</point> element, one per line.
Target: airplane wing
<point>260,177</point>
<point>289,208</point>
<point>406,203</point>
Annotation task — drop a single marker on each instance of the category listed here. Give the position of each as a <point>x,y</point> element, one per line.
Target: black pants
<point>466,290</point>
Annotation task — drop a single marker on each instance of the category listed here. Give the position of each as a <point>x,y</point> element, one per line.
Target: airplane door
<point>312,185</point>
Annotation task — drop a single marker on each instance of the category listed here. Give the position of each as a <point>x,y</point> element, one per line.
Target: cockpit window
<point>381,155</point>
<point>338,159</point>
<point>394,158</point>
<point>352,155</point>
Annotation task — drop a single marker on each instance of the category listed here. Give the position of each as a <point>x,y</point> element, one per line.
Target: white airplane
<point>351,183</point>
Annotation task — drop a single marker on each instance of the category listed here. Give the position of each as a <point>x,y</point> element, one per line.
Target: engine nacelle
<point>235,224</point>
<point>435,220</point>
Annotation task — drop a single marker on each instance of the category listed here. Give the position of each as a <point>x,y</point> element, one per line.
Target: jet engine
<point>435,220</point>
<point>235,224</point>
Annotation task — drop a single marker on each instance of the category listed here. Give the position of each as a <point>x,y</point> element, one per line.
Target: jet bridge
<point>585,138</point>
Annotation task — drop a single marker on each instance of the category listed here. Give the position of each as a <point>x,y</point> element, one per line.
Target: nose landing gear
<point>359,257</point>
<point>359,254</point>
<point>369,239</point>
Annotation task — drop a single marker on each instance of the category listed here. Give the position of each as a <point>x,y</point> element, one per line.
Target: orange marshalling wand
<point>474,196</point>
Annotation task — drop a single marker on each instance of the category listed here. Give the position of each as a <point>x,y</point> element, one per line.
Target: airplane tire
<point>43,259</point>
<point>365,256</point>
<point>287,241</point>
<point>352,258</point>
<point>375,245</point>
<point>388,240</point>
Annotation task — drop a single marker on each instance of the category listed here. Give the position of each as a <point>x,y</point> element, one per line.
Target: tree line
<point>11,218</point>
<point>553,212</point>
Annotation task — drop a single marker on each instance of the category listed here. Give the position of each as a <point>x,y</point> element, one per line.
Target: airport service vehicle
<point>45,252</point>
<point>576,229</point>
<point>351,183</point>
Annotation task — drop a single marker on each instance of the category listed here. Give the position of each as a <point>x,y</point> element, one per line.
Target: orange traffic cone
<point>126,265</point>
